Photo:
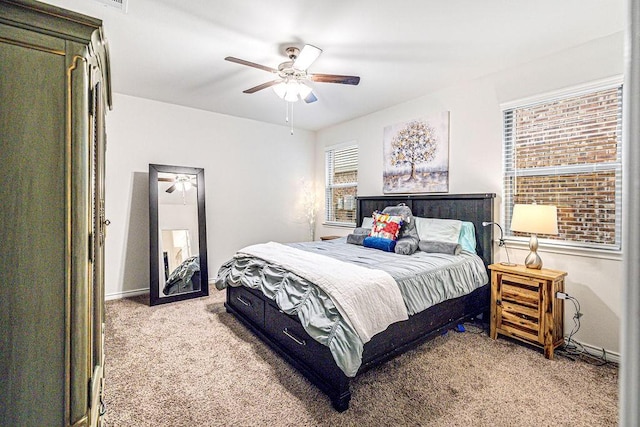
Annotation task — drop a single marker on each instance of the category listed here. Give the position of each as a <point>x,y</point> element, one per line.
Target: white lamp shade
<point>292,91</point>
<point>536,219</point>
<point>280,89</point>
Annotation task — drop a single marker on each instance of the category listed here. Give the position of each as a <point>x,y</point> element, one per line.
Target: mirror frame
<point>154,269</point>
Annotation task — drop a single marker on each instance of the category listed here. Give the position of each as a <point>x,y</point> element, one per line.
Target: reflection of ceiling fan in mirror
<point>181,182</point>
<point>290,84</point>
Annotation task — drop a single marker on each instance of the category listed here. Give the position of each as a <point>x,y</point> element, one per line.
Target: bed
<point>185,277</point>
<point>286,335</point>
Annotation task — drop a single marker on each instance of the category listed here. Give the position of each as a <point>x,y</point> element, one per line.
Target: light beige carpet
<point>192,364</point>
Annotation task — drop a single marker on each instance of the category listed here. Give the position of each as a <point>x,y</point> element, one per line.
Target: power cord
<point>573,349</point>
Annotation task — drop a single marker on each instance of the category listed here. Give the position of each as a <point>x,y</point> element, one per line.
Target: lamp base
<point>508,264</point>
<point>533,260</point>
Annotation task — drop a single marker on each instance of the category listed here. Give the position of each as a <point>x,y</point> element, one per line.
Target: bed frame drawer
<point>288,332</point>
<point>248,304</point>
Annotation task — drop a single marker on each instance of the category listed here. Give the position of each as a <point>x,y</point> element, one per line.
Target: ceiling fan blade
<point>250,64</point>
<point>308,55</point>
<point>262,86</point>
<point>166,179</point>
<point>334,78</point>
<point>172,188</point>
<point>310,98</point>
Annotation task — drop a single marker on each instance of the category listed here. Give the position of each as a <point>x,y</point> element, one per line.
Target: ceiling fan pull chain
<point>291,117</point>
<point>286,114</point>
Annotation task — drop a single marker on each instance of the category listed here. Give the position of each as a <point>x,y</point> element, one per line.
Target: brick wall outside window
<point>341,184</point>
<point>566,152</point>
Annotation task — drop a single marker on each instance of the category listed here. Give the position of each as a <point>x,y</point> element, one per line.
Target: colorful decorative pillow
<point>385,226</point>
<point>381,243</point>
<point>408,223</point>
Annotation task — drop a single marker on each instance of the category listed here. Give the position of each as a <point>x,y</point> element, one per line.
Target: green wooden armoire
<point>54,92</point>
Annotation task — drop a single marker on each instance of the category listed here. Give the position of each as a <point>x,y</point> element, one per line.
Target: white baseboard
<point>599,352</point>
<point>126,294</point>
<point>136,292</point>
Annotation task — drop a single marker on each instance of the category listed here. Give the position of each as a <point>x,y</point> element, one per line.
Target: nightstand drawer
<point>522,281</point>
<point>520,290</point>
<point>520,320</point>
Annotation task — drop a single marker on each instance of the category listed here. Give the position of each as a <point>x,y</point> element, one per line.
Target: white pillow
<point>438,230</point>
<point>367,222</point>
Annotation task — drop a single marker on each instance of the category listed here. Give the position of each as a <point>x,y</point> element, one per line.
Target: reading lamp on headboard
<point>500,241</point>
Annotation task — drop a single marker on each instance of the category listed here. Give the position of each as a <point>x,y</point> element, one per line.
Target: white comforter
<point>368,299</point>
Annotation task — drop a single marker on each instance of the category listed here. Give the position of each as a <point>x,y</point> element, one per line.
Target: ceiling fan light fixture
<point>291,96</point>
<point>292,90</point>
<point>280,89</point>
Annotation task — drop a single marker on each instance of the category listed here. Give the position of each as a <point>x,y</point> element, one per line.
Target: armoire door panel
<point>32,224</point>
<point>79,215</point>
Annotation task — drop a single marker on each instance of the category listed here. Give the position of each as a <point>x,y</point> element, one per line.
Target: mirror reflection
<point>177,206</point>
<point>181,269</point>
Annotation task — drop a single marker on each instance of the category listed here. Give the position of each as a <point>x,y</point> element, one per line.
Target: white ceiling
<point>173,50</point>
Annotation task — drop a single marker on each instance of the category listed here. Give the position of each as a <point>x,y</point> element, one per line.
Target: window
<point>341,163</point>
<point>566,151</point>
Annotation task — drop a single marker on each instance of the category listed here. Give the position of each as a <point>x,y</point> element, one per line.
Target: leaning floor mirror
<point>177,234</point>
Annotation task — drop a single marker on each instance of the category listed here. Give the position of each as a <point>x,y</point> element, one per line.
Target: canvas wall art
<point>416,155</point>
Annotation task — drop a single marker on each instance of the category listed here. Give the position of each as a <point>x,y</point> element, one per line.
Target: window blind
<point>567,152</point>
<point>341,171</point>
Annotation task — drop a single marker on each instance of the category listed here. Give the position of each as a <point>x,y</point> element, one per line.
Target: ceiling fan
<point>182,182</point>
<point>293,73</point>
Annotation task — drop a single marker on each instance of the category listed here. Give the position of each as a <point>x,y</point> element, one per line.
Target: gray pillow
<point>408,237</point>
<point>357,239</point>
<point>409,222</point>
<point>361,230</point>
<point>406,245</point>
<point>440,247</point>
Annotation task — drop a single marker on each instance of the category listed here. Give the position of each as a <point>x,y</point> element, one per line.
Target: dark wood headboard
<point>475,208</point>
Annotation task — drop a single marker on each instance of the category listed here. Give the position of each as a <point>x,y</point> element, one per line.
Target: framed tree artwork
<point>416,155</point>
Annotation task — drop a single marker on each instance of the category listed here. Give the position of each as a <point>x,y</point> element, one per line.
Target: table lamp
<point>534,219</point>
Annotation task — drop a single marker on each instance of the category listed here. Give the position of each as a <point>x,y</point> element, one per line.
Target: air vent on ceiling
<point>117,4</point>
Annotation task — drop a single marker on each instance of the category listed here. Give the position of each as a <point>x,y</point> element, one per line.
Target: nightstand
<point>524,305</point>
<point>329,237</point>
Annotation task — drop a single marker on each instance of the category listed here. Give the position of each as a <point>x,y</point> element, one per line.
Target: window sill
<point>611,254</point>
<point>339,224</point>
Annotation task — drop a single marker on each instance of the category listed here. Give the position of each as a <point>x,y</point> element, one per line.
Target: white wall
<point>475,163</point>
<point>253,174</point>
